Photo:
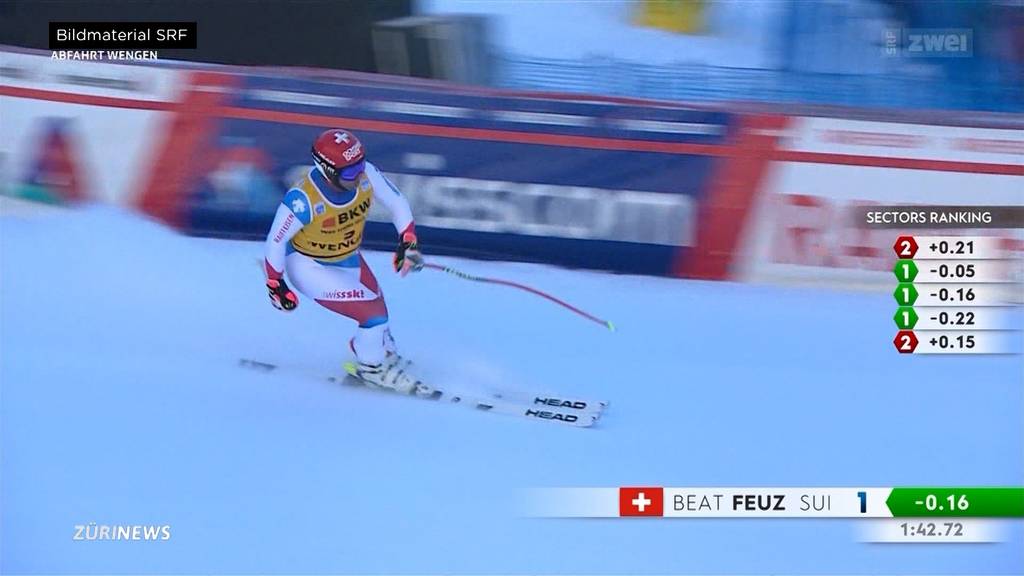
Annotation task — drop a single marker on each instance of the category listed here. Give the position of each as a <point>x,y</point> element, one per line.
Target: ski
<point>498,405</point>
<point>555,401</point>
<point>579,413</point>
<point>540,402</point>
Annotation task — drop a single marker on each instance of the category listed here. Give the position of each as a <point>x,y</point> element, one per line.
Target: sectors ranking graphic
<point>954,296</point>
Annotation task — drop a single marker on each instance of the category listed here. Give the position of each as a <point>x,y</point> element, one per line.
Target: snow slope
<point>122,404</point>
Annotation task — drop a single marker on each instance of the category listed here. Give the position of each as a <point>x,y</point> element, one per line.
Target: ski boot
<point>391,374</point>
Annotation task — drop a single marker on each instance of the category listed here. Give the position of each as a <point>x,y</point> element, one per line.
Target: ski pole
<point>459,274</point>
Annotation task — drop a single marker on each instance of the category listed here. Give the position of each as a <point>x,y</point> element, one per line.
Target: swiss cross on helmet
<point>339,156</point>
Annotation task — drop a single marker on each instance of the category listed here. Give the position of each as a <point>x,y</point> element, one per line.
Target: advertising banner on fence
<point>802,229</point>
<point>80,131</point>
<point>488,177</point>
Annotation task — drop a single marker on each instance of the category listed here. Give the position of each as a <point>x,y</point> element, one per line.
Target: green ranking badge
<point>905,318</point>
<point>905,294</point>
<point>905,270</point>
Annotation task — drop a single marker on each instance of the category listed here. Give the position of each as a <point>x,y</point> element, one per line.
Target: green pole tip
<point>610,325</point>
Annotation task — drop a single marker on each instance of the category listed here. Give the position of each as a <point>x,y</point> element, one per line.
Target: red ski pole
<point>562,303</point>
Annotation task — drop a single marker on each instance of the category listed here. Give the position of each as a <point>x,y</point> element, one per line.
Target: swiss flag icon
<point>639,501</point>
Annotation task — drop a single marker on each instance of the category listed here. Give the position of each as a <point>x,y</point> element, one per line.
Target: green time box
<point>947,502</point>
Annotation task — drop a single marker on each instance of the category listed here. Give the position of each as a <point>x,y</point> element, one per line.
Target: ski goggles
<point>352,172</point>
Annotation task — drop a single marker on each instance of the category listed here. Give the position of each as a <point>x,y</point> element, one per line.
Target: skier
<point>316,236</point>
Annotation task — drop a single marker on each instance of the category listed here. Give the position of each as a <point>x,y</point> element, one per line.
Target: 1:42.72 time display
<point>932,528</point>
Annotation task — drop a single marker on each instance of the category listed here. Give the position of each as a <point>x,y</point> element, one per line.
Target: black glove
<point>281,296</point>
